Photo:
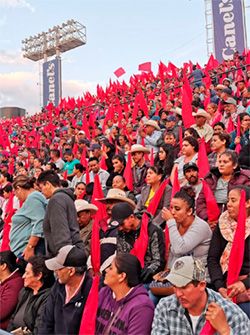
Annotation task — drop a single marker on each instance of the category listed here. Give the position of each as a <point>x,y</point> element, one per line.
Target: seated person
<point>154,177</point>
<point>11,283</point>
<point>126,298</point>
<point>220,248</point>
<point>186,311</point>
<point>37,283</point>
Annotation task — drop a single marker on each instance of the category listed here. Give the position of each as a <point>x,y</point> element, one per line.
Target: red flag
<point>154,203</point>
<point>145,67</point>
<point>176,185</point>
<point>65,175</point>
<point>6,229</point>
<point>213,211</point>
<point>83,160</point>
<point>89,313</point>
<point>202,161</point>
<point>207,329</point>
<point>238,146</point>
<point>103,164</point>
<point>187,116</point>
<point>127,174</point>
<point>230,126</point>
<point>119,72</point>
<point>238,246</point>
<point>152,157</point>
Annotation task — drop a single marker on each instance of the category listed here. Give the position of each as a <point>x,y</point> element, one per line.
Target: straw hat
<point>117,194</point>
<point>139,148</point>
<point>82,205</point>
<point>201,112</point>
<point>152,123</point>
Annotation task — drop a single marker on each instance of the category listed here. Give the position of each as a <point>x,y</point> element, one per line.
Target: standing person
<point>186,311</point>
<point>124,300</point>
<point>60,223</point>
<point>26,234</point>
<point>64,307</point>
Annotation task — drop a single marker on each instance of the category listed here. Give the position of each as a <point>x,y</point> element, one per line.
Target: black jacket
<point>34,309</point>
<point>60,318</point>
<point>61,228</point>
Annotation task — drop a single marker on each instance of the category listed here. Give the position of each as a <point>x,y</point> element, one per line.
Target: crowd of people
<point>139,193</point>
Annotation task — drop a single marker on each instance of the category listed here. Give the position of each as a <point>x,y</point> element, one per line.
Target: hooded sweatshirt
<point>132,315</point>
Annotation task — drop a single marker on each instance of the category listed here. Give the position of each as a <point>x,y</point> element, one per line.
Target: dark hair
<point>8,188</point>
<point>52,166</point>
<point>8,257</point>
<point>242,115</point>
<point>90,188</point>
<point>170,133</point>
<point>244,188</point>
<point>187,194</point>
<point>80,167</point>
<point>233,156</point>
<point>120,158</point>
<point>219,124</point>
<point>130,265</point>
<point>38,266</point>
<point>64,183</point>
<point>50,176</point>
<point>158,170</point>
<point>24,182</point>
<point>168,162</point>
<point>224,137</point>
<point>91,159</point>
<point>7,176</point>
<point>192,141</point>
<point>79,183</point>
<point>193,133</point>
<point>56,152</point>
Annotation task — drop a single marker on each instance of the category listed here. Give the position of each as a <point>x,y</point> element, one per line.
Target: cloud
<point>17,4</point>
<point>12,57</point>
<point>3,20</point>
<point>22,89</point>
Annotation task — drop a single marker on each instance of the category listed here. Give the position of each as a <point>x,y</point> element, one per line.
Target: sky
<point>119,33</point>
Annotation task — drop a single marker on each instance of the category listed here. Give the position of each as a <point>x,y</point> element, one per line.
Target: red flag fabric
<point>154,203</point>
<point>207,329</point>
<point>238,146</point>
<point>176,185</point>
<point>6,229</point>
<point>202,160</point>
<point>141,244</point>
<point>65,175</point>
<point>213,211</point>
<point>119,72</point>
<point>238,246</point>
<point>103,164</point>
<point>187,117</point>
<point>127,174</point>
<point>88,320</point>
<point>230,126</point>
<point>145,67</point>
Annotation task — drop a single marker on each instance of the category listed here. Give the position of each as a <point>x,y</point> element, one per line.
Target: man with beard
<point>191,173</point>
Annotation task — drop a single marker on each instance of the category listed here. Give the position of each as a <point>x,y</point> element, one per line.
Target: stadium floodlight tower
<point>67,36</point>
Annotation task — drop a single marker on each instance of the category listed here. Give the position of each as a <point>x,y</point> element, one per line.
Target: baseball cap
<point>171,118</point>
<point>190,165</point>
<point>81,132</point>
<point>58,262</point>
<point>227,90</point>
<point>94,146</point>
<point>231,101</point>
<point>121,211</point>
<point>186,269</point>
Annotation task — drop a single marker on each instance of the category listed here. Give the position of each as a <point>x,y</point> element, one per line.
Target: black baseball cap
<point>121,211</point>
<point>190,165</point>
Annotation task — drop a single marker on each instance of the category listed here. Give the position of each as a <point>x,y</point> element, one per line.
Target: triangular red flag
<point>238,146</point>
<point>238,246</point>
<point>127,174</point>
<point>202,161</point>
<point>7,223</point>
<point>187,117</point>
<point>230,126</point>
<point>65,175</point>
<point>213,211</point>
<point>145,67</point>
<point>119,72</point>
<point>176,185</point>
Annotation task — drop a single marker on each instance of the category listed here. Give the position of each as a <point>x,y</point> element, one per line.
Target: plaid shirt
<point>171,318</point>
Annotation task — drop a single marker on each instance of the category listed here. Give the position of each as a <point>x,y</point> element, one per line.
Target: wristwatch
<point>30,246</point>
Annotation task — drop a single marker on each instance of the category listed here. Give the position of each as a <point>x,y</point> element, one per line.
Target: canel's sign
<point>228,27</point>
<point>51,81</point>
